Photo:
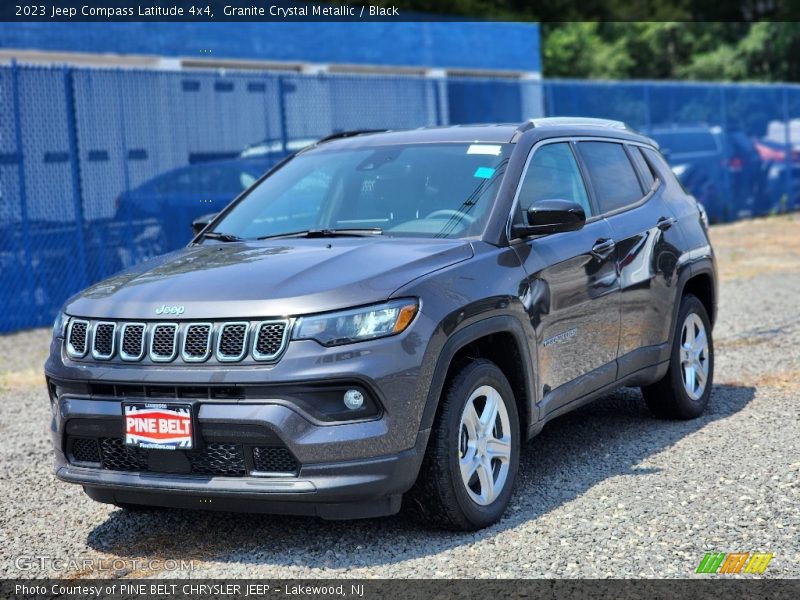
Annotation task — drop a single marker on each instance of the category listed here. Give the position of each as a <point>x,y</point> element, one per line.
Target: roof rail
<point>569,122</point>
<point>346,134</point>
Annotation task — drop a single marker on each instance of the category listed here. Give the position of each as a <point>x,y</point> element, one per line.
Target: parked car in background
<point>721,168</point>
<point>155,214</point>
<point>275,148</point>
<point>780,152</point>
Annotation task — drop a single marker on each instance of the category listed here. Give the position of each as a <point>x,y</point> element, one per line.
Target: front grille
<point>269,339</point>
<point>85,450</point>
<point>232,340</point>
<point>132,346</point>
<point>186,342</point>
<point>197,342</point>
<point>103,346</point>
<point>218,459</point>
<point>76,340</point>
<point>162,345</point>
<point>274,460</point>
<point>225,459</point>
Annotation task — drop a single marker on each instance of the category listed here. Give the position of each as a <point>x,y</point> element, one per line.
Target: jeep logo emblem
<point>170,310</point>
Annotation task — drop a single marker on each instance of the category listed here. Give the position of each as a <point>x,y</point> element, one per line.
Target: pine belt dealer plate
<point>157,426</point>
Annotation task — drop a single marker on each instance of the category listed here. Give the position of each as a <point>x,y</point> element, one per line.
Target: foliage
<point>647,39</point>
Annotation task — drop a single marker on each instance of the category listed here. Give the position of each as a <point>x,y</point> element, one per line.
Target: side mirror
<point>200,223</point>
<point>552,216</point>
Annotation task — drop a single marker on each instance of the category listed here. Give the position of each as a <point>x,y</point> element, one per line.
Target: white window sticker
<point>489,149</point>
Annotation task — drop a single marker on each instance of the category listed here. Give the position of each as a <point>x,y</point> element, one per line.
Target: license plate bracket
<point>158,425</point>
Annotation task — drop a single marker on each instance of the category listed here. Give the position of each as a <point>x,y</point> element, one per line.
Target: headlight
<point>60,325</point>
<point>358,324</point>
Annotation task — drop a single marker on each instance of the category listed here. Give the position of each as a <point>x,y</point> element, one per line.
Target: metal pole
<point>29,316</point>
<point>787,133</point>
<point>282,114</point>
<point>77,194</point>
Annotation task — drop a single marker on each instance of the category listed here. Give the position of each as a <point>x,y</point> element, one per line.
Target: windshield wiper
<point>222,237</point>
<point>318,233</point>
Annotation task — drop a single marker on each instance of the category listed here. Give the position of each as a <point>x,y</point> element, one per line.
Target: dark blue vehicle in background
<point>721,168</point>
<point>159,209</point>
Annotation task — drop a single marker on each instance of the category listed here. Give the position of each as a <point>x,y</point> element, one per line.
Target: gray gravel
<point>607,491</point>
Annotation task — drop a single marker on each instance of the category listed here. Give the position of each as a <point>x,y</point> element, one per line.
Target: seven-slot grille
<point>191,342</point>
<point>103,343</point>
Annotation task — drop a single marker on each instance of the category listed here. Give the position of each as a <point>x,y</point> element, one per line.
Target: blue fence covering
<point>100,169</point>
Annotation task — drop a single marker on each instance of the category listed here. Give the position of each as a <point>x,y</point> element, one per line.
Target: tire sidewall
<point>480,373</point>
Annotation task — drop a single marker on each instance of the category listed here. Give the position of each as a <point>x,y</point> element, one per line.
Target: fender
<point>470,333</point>
<point>703,266</point>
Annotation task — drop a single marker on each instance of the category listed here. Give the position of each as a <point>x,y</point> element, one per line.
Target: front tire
<point>684,390</point>
<point>468,472</point>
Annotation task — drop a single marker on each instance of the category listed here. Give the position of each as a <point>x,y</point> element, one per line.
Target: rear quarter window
<point>646,172</point>
<point>613,177</point>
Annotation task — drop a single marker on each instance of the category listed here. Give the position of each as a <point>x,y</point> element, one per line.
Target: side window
<point>661,167</point>
<point>553,174</point>
<point>648,179</point>
<point>615,182</point>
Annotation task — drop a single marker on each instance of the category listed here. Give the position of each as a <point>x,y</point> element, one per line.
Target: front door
<point>572,290</point>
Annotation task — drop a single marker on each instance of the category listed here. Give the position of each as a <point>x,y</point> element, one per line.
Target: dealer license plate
<point>157,426</point>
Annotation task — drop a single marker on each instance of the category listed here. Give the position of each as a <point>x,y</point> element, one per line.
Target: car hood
<point>268,278</point>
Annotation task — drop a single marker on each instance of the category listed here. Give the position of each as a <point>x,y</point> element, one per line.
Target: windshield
<point>427,190</point>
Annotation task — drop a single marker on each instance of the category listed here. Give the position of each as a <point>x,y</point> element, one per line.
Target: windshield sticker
<point>489,149</point>
<point>484,173</point>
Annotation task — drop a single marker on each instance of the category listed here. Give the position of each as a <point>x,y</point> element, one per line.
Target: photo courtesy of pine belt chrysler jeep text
<point>384,318</point>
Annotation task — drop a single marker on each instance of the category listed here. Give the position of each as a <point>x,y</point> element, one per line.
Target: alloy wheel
<point>484,445</point>
<point>694,356</point>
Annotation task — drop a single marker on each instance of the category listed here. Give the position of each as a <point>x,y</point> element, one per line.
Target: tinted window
<point>644,168</point>
<point>661,166</point>
<point>614,180</point>
<point>553,174</point>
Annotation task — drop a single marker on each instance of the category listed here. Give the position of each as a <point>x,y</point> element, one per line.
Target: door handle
<point>665,223</point>
<point>603,247</point>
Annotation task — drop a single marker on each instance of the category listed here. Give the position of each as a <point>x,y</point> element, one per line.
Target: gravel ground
<point>606,491</point>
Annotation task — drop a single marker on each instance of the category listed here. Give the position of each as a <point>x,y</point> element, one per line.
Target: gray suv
<point>387,315</point>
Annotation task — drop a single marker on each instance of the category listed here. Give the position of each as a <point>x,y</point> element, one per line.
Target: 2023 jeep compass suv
<point>385,314</point>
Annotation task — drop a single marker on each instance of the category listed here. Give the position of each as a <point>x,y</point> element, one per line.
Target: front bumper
<point>347,469</point>
<point>342,490</point>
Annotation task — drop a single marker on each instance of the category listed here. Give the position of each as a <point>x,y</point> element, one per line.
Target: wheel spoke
<point>471,420</point>
<point>499,448</point>
<point>468,464</point>
<point>689,334</point>
<point>490,408</point>
<point>699,342</point>
<point>700,375</point>
<point>486,478</point>
<point>689,378</point>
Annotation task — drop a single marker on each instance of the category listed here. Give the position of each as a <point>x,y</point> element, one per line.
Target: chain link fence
<point>101,169</point>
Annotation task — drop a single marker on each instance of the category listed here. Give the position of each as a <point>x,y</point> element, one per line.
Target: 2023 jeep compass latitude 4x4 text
<point>389,315</point>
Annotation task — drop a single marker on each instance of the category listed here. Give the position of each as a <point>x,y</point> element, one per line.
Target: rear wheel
<point>468,473</point>
<point>684,391</point>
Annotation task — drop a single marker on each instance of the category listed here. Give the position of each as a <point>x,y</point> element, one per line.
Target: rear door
<point>630,198</point>
<point>572,289</point>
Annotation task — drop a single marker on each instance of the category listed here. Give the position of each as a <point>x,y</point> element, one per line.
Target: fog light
<point>353,399</point>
